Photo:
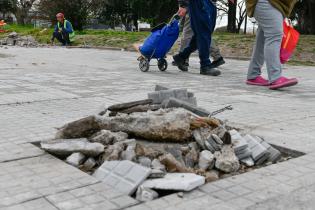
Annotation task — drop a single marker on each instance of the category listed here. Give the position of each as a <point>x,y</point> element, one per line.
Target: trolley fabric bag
<point>161,40</point>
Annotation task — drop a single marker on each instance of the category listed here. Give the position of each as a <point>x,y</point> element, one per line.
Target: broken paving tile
<point>146,194</point>
<point>76,159</point>
<point>176,181</point>
<point>226,160</point>
<point>65,147</point>
<point>125,176</point>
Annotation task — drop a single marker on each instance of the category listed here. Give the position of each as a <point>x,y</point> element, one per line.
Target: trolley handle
<point>175,17</point>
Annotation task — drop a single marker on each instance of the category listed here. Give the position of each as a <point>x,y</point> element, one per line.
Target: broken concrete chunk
<point>82,128</point>
<point>149,152</point>
<point>65,147</point>
<point>176,181</point>
<point>161,125</point>
<point>223,134</point>
<point>206,160</point>
<point>129,153</point>
<point>144,161</point>
<point>172,165</point>
<point>119,107</point>
<point>156,164</point>
<point>199,138</point>
<point>248,161</point>
<point>107,137</point>
<point>156,173</point>
<point>76,159</point>
<point>113,152</point>
<point>89,164</point>
<point>217,139</point>
<point>191,158</point>
<point>211,176</point>
<point>176,152</point>
<point>226,160</point>
<point>177,103</point>
<point>125,176</point>
<point>145,194</point>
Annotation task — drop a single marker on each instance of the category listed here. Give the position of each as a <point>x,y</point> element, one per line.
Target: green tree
<point>76,11</point>
<point>6,6</point>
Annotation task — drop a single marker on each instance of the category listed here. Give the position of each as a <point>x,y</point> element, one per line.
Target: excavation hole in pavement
<point>185,146</point>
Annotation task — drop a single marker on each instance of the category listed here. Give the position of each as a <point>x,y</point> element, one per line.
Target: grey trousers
<point>268,41</point>
<point>188,34</point>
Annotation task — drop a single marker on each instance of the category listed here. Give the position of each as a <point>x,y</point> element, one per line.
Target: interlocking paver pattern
<point>41,89</point>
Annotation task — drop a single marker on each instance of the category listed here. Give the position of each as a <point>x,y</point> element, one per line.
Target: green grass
<point>232,45</point>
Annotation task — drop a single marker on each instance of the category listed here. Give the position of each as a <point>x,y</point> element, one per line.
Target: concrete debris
<point>123,106</point>
<point>177,103</point>
<point>175,181</point>
<point>226,160</point>
<point>258,150</point>
<point>274,154</point>
<point>125,176</point>
<point>129,153</point>
<point>76,159</point>
<point>191,158</point>
<point>185,150</point>
<point>65,147</point>
<point>14,39</point>
<point>107,137</point>
<point>158,169</point>
<point>89,164</point>
<point>248,161</point>
<point>113,152</point>
<point>144,161</point>
<point>156,173</point>
<point>206,160</point>
<point>211,176</point>
<point>149,152</point>
<point>162,125</point>
<point>172,165</point>
<point>145,194</point>
<point>82,128</point>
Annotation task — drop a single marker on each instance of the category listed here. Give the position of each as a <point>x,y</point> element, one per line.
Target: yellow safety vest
<point>71,35</point>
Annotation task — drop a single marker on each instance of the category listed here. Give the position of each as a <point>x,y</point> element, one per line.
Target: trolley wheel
<point>162,64</point>
<point>144,64</point>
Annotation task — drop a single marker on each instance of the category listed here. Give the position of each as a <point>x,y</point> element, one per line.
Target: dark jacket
<point>183,3</point>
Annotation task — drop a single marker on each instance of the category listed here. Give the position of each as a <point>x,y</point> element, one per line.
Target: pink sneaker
<point>260,81</point>
<point>283,82</point>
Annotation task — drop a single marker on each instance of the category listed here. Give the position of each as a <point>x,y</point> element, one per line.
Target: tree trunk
<point>232,17</point>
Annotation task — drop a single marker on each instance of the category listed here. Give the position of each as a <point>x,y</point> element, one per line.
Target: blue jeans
<point>203,14</point>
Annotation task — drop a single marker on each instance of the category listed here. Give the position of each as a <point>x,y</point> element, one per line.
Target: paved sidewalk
<point>41,89</point>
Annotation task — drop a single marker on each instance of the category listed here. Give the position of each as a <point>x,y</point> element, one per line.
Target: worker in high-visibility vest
<point>63,32</point>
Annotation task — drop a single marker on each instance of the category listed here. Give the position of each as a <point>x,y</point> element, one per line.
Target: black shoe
<point>186,63</point>
<point>217,63</point>
<point>208,70</point>
<point>180,63</point>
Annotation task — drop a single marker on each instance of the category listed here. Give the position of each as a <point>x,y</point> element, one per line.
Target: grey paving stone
<point>70,93</point>
<point>50,176</point>
<point>125,176</point>
<point>37,204</point>
<point>175,181</point>
<point>10,151</point>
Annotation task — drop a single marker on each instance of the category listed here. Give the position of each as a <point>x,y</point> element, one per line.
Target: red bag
<point>289,42</point>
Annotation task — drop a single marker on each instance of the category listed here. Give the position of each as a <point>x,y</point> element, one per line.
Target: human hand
<point>182,11</point>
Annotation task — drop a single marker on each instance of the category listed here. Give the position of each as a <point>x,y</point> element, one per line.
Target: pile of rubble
<point>165,142</point>
<point>14,39</point>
